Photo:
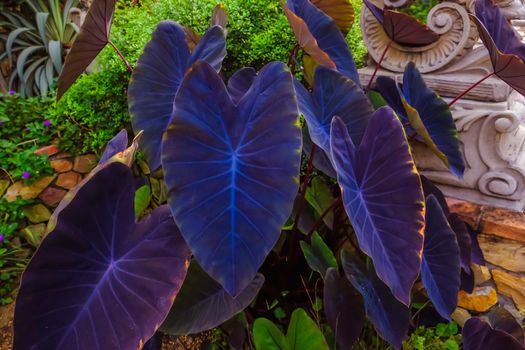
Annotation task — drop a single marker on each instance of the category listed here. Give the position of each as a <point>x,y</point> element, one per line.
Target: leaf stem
<point>319,221</point>
<point>292,58</point>
<point>304,186</point>
<point>469,89</point>
<point>378,65</point>
<point>130,69</point>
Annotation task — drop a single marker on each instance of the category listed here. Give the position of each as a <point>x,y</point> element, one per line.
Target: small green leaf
<point>279,313</point>
<point>452,344</point>
<point>267,336</point>
<point>303,333</point>
<point>320,198</point>
<point>376,99</point>
<point>142,199</point>
<point>318,255</point>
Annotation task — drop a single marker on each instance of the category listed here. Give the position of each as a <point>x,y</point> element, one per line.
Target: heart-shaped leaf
<point>428,114</point>
<point>203,304</point>
<point>341,11</point>
<point>240,82</point>
<point>479,335</point>
<point>157,77</point>
<point>328,37</point>
<point>318,255</point>
<point>383,198</point>
<point>389,317</point>
<point>402,28</point>
<point>504,321</point>
<point>232,170</point>
<point>92,38</point>
<point>321,160</point>
<point>117,144</point>
<point>344,309</point>
<point>219,16</point>
<point>440,267</point>
<point>429,188</point>
<point>506,51</point>
<point>333,95</point>
<point>99,280</point>
<point>463,239</point>
<point>302,334</point>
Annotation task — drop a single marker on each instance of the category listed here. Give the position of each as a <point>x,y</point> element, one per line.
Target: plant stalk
<point>378,65</point>
<point>292,59</point>
<point>304,186</point>
<point>130,69</point>
<point>469,89</point>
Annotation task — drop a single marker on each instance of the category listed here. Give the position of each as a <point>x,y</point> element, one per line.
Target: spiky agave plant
<point>36,44</point>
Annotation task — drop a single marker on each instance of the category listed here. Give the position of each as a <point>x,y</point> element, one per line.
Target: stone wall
<point>48,191</point>
<point>502,240</point>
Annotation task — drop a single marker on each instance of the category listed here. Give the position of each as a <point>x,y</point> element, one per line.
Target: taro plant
<point>36,45</point>
<point>306,258</point>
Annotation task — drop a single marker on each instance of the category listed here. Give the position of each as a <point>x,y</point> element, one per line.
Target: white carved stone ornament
<point>490,118</point>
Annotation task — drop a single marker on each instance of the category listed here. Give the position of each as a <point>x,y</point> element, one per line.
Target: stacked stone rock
<point>48,191</point>
<point>502,281</point>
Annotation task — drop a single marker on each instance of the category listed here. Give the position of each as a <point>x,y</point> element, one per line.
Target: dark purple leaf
<point>383,198</point>
<point>240,82</point>
<point>429,188</point>
<point>440,267</point>
<point>117,144</point>
<point>154,343</point>
<point>333,95</point>
<point>463,239</point>
<point>344,309</point>
<point>476,254</point>
<point>341,11</point>
<point>467,282</point>
<point>157,77</point>
<point>432,119</point>
<point>389,317</point>
<point>232,169</point>
<point>219,16</point>
<point>92,38</point>
<point>389,90</point>
<point>402,28</point>
<point>479,335</point>
<point>203,304</point>
<point>502,320</point>
<point>329,38</point>
<point>100,280</point>
<point>506,51</point>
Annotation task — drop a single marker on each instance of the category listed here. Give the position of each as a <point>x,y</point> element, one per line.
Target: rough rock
<point>34,233</point>
<point>84,164</point>
<point>68,180</point>
<point>481,299</point>
<point>481,274</point>
<point>49,150</point>
<point>460,316</point>
<point>37,213</point>
<point>503,252</point>
<point>29,191</point>
<point>504,223</point>
<point>61,165</point>
<point>51,196</point>
<point>512,287</point>
<point>468,212</point>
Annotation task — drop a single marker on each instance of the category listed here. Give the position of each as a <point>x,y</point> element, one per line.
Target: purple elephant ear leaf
<point>431,118</point>
<point>155,342</point>
<point>333,95</point>
<point>467,282</point>
<point>341,11</point>
<point>476,254</point>
<point>440,267</point>
<point>344,309</point>
<point>506,51</point>
<point>389,317</point>
<point>321,160</point>
<point>429,188</point>
<point>92,38</point>
<point>402,28</point>
<point>219,16</point>
<point>502,320</point>
<point>239,164</point>
<point>117,144</point>
<point>463,239</point>
<point>100,280</point>
<point>157,76</point>
<point>203,304</point>
<point>240,82</point>
<point>479,335</point>
<point>305,39</point>
<point>387,87</point>
<point>328,37</point>
<point>383,198</point>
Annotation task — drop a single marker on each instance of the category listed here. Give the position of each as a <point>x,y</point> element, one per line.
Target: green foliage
<point>23,127</point>
<point>318,255</point>
<point>442,337</point>
<point>37,44</point>
<point>420,8</point>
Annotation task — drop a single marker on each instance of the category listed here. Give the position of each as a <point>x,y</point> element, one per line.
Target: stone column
<point>489,118</point>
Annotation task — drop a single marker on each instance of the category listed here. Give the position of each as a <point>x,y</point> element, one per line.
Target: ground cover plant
<point>282,251</point>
